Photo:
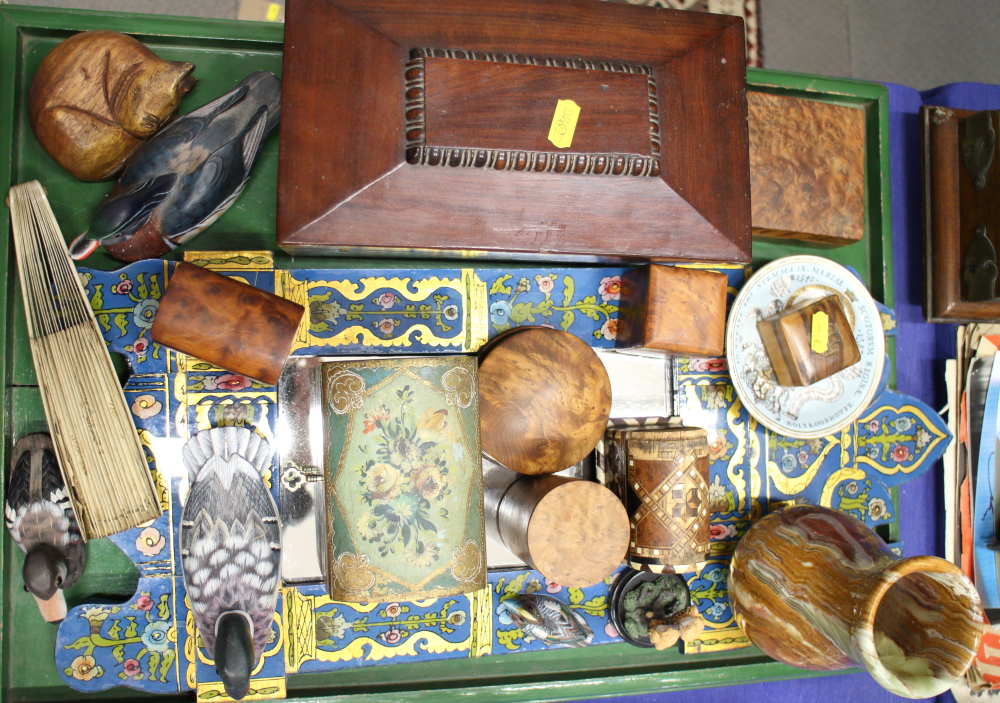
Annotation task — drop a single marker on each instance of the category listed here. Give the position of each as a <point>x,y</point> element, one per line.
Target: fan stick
<point>100,454</point>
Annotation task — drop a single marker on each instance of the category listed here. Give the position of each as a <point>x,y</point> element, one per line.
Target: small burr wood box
<point>545,399</point>
<point>660,474</point>
<point>809,342</point>
<point>440,127</point>
<point>672,310</point>
<point>575,532</point>
<point>807,169</point>
<point>227,323</point>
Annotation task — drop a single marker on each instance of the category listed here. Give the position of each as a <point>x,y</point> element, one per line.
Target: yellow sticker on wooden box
<point>820,337</point>
<point>564,123</point>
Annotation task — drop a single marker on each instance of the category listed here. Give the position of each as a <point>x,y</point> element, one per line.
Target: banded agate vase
<point>817,589</point>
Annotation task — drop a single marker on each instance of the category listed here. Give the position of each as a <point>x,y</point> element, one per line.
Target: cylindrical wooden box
<point>545,398</point>
<point>661,476</point>
<point>574,532</point>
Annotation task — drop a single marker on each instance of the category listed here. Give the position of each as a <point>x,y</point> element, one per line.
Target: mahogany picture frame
<point>949,219</point>
<point>351,180</point>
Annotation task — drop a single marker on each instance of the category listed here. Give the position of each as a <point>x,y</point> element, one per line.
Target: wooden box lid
<point>420,127</point>
<point>807,169</point>
<point>673,310</point>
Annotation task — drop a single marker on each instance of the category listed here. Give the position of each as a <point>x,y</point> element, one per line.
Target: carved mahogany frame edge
<point>942,235</point>
<point>418,153</point>
<point>302,230</point>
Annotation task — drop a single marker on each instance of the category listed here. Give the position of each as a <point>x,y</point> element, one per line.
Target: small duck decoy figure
<point>42,523</point>
<point>230,549</point>
<point>548,619</point>
<point>184,178</point>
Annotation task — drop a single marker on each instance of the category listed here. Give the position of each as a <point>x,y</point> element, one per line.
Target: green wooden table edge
<point>579,689</point>
<point>15,18</point>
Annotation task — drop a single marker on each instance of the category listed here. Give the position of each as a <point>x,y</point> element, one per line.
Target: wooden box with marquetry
<point>672,310</point>
<point>961,182</point>
<point>809,342</point>
<point>660,473</point>
<point>807,169</point>
<point>520,129</point>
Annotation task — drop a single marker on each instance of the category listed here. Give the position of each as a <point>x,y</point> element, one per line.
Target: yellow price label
<point>564,123</point>
<point>273,10</point>
<point>820,332</point>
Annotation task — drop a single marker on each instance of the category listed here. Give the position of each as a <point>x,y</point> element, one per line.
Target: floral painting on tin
<point>404,484</point>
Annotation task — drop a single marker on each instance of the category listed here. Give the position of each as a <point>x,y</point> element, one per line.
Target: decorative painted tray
<point>752,468</point>
<point>150,642</point>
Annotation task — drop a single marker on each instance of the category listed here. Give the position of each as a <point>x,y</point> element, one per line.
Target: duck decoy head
<point>523,610</point>
<point>234,655</point>
<point>82,247</point>
<point>44,571</point>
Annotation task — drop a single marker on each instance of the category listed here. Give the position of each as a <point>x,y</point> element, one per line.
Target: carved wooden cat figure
<point>98,96</point>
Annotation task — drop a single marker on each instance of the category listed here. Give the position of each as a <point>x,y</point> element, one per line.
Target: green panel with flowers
<point>404,484</point>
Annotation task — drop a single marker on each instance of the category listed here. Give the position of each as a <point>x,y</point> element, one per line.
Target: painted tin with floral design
<point>403,479</point>
<point>818,589</point>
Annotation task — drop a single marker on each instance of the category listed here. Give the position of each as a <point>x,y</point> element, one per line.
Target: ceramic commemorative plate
<point>826,406</point>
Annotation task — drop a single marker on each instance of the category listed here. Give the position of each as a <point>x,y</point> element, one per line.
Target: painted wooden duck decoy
<point>42,523</point>
<point>230,549</point>
<point>186,176</point>
<point>548,619</point>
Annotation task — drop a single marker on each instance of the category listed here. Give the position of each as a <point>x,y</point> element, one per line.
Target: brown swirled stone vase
<point>817,589</point>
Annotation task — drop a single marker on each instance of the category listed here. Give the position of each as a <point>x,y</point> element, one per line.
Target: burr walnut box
<point>513,129</point>
<point>809,342</point>
<point>807,169</point>
<point>672,310</point>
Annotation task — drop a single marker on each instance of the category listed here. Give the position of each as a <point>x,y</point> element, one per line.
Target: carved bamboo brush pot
<point>819,590</point>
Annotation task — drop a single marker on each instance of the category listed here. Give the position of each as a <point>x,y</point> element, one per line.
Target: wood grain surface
<point>673,310</point>
<point>490,105</point>
<point>98,96</point>
<point>787,340</point>
<point>944,224</point>
<point>545,399</point>
<point>665,492</point>
<point>978,206</point>
<point>807,169</point>
<point>227,323</point>
<point>343,177</point>
<point>575,532</point>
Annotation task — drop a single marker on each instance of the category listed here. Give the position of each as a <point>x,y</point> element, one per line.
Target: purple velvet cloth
<point>921,351</point>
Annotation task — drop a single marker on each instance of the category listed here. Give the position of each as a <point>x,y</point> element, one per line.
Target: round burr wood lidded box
<point>573,531</point>
<point>545,398</point>
<point>660,473</point>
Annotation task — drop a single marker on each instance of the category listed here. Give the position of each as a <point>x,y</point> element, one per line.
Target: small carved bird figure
<point>230,549</point>
<point>184,178</point>
<point>42,523</point>
<point>548,619</point>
